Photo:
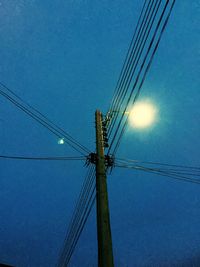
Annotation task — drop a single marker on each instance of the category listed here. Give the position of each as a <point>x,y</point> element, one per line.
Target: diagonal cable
<point>129,101</point>
<point>80,215</point>
<point>178,175</point>
<point>41,158</point>
<point>43,120</point>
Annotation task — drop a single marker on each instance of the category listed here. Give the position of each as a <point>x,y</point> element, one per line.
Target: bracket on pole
<point>92,158</point>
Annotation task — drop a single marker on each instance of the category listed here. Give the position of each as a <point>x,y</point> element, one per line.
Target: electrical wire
<point>135,60</point>
<point>78,222</point>
<point>80,204</point>
<point>40,158</point>
<point>82,225</point>
<point>141,25</point>
<point>168,170</point>
<point>166,165</point>
<point>144,75</point>
<point>178,173</point>
<point>43,120</point>
<point>125,66</point>
<point>139,73</point>
<point>80,215</point>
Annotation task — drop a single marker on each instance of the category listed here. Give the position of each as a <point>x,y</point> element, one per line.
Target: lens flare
<point>61,141</point>
<point>142,115</point>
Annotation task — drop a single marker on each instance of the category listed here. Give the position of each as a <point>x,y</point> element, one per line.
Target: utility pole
<point>105,253</point>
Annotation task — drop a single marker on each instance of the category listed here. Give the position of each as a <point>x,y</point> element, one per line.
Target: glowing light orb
<point>142,115</point>
<point>61,141</point>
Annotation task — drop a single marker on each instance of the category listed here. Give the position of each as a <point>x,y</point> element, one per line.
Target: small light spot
<point>61,141</point>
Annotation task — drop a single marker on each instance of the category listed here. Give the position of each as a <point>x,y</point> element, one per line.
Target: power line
<point>40,158</point>
<point>145,72</point>
<point>127,98</point>
<point>43,120</point>
<point>135,48</point>
<point>83,196</point>
<point>133,60</point>
<point>167,170</point>
<point>177,175</point>
<point>86,214</point>
<point>136,82</point>
<point>78,221</point>
<point>124,67</point>
<point>122,160</point>
<point>160,167</point>
<point>80,215</point>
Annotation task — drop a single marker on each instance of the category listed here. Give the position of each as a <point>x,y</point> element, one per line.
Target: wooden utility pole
<point>105,253</point>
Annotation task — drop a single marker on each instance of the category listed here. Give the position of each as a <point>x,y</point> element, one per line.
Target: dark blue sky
<point>64,58</point>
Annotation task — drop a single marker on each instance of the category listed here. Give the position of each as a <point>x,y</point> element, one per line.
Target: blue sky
<point>64,58</point>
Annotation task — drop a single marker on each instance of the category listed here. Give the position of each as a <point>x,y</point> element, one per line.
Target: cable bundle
<point>144,44</point>
<point>80,215</point>
<point>40,118</point>
<point>177,172</point>
<point>41,158</point>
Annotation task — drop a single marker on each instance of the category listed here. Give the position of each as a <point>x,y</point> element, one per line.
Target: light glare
<point>142,115</point>
<point>61,141</point>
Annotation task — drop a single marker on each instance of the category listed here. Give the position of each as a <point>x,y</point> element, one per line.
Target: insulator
<point>109,161</point>
<point>104,123</point>
<point>105,134</point>
<point>92,157</point>
<point>104,129</point>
